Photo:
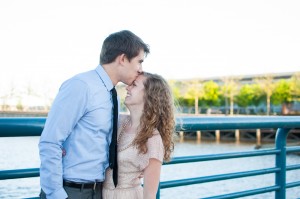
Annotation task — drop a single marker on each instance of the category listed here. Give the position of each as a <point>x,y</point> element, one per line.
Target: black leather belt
<point>82,185</point>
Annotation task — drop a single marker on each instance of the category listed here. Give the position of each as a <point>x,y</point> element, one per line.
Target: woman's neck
<point>135,116</point>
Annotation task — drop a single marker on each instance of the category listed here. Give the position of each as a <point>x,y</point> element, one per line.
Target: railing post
<point>258,137</point>
<point>280,177</point>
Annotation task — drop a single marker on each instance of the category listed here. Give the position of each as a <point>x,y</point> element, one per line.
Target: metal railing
<point>13,127</point>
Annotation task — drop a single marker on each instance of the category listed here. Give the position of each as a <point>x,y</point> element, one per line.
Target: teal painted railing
<point>13,127</point>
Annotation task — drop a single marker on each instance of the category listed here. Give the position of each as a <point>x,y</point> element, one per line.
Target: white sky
<point>44,42</point>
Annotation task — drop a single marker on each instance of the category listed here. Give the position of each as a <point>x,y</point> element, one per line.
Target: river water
<point>22,152</point>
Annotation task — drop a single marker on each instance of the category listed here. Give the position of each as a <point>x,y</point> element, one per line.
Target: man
<point>75,141</point>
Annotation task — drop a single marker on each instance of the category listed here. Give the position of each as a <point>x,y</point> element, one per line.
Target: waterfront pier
<point>258,136</point>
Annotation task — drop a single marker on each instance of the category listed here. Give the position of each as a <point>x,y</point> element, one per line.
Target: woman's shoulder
<point>155,146</point>
<point>155,138</point>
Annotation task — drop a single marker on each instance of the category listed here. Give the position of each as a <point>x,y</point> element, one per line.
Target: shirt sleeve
<point>68,107</point>
<point>155,150</point>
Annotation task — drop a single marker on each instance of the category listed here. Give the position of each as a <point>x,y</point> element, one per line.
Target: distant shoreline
<point>23,114</point>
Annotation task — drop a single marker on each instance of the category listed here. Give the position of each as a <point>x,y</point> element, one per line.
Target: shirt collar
<point>104,77</point>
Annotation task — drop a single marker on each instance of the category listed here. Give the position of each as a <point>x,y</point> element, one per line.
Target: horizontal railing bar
<point>190,159</point>
<point>246,193</point>
<point>293,167</point>
<point>190,181</point>
<point>21,126</point>
<point>293,149</point>
<point>32,198</point>
<point>292,184</point>
<point>34,172</point>
<point>237,122</point>
<point>237,194</point>
<point>33,126</point>
<point>19,173</point>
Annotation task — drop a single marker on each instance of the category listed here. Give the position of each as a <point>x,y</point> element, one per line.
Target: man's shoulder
<point>85,76</point>
<point>90,78</point>
<point>85,79</point>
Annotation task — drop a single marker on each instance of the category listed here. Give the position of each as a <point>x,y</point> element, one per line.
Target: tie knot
<point>113,91</point>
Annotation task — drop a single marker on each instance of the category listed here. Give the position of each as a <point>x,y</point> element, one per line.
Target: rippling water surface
<point>20,153</point>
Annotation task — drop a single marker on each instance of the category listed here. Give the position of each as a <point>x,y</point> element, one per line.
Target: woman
<point>144,139</point>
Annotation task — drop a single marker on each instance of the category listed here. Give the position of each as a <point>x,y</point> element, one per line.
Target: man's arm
<point>66,111</point>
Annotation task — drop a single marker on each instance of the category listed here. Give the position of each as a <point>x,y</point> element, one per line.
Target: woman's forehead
<point>140,79</point>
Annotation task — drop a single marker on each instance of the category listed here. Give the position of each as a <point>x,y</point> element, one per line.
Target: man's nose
<point>140,69</point>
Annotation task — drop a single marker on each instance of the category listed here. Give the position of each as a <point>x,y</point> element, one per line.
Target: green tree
<point>230,89</point>
<point>175,86</point>
<point>267,86</point>
<point>246,96</point>
<point>281,93</point>
<point>295,86</point>
<point>180,89</point>
<point>20,106</point>
<point>195,91</point>
<point>121,90</point>
<point>258,95</point>
<point>211,93</point>
<point>7,95</point>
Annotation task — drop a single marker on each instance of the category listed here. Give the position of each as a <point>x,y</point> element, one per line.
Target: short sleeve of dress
<point>155,150</point>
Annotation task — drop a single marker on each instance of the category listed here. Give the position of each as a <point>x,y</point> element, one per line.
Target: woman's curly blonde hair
<point>158,114</point>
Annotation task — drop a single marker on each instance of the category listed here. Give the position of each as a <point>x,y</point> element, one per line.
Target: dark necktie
<point>113,161</point>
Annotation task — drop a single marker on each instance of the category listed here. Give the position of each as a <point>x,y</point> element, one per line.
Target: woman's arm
<point>151,178</point>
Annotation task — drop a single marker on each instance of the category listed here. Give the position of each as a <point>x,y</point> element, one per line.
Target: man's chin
<point>127,82</point>
<point>130,82</point>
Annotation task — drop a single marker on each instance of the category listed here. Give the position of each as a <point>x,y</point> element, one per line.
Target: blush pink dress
<point>131,165</point>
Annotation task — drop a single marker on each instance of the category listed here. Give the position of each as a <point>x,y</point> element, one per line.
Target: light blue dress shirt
<point>80,122</point>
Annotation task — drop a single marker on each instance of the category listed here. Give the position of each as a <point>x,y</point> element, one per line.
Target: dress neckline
<point>121,134</point>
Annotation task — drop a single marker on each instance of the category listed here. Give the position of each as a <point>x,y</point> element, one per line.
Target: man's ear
<point>122,59</point>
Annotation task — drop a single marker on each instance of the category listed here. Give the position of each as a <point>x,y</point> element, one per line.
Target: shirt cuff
<point>61,193</point>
